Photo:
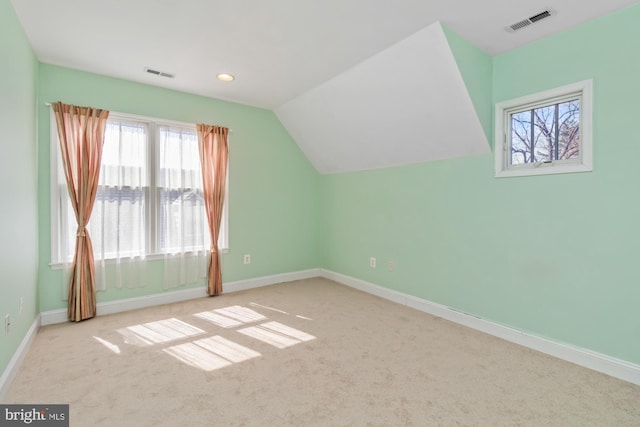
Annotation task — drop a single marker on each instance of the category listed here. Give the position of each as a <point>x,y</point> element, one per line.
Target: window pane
<point>182,222</point>
<point>179,159</point>
<point>545,133</point>
<point>118,221</point>
<point>68,226</point>
<point>521,138</point>
<point>124,155</point>
<point>569,130</point>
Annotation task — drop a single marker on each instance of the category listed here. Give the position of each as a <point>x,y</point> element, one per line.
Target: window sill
<point>543,169</point>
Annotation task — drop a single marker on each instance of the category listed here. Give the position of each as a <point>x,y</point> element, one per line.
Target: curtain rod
<point>48,104</point>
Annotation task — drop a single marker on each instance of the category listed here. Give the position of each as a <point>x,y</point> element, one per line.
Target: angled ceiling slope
<point>406,104</point>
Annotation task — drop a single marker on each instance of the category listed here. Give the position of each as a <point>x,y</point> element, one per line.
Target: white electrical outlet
<point>390,265</point>
<point>247,259</point>
<point>21,305</point>
<point>372,262</point>
<point>7,323</point>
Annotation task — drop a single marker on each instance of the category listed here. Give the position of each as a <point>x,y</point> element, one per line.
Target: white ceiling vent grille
<point>159,73</point>
<point>530,20</point>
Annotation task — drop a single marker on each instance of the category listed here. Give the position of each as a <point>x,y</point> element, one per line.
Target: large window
<point>149,200</point>
<point>545,133</point>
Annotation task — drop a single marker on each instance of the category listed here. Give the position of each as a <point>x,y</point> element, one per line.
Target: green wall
<point>18,171</point>
<point>273,203</point>
<point>552,255</point>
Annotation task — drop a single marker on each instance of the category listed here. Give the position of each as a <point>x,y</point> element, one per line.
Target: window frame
<point>152,244</point>
<point>583,90</point>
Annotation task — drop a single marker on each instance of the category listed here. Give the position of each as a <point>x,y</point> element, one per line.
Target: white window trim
<point>55,263</point>
<point>502,148</point>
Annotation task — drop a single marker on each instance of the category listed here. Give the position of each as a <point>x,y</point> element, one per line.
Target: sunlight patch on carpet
<point>243,314</point>
<point>277,334</point>
<point>107,344</point>
<point>161,331</point>
<point>255,304</point>
<point>228,349</point>
<point>218,319</point>
<point>211,353</point>
<point>229,317</point>
<point>197,357</point>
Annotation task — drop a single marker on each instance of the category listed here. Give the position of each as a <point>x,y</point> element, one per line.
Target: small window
<point>545,133</point>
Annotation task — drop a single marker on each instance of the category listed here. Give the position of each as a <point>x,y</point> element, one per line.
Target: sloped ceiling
<point>406,104</point>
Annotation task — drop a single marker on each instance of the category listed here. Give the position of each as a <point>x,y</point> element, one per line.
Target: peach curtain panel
<point>214,153</point>
<point>81,133</point>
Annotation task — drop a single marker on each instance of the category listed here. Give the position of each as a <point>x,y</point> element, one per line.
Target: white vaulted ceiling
<point>406,104</point>
<point>317,63</point>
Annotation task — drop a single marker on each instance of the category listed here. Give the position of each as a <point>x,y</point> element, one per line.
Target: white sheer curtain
<point>62,216</point>
<point>118,222</point>
<point>183,228</point>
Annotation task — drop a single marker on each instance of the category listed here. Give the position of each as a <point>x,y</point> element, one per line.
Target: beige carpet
<point>306,353</point>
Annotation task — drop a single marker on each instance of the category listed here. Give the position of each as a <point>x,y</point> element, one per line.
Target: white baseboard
<point>110,307</point>
<point>241,285</point>
<point>14,364</point>
<point>608,365</point>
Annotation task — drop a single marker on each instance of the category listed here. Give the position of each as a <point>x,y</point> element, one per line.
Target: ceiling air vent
<point>159,73</point>
<point>530,20</point>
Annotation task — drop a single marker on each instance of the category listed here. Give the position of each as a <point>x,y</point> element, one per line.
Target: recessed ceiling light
<point>225,77</point>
